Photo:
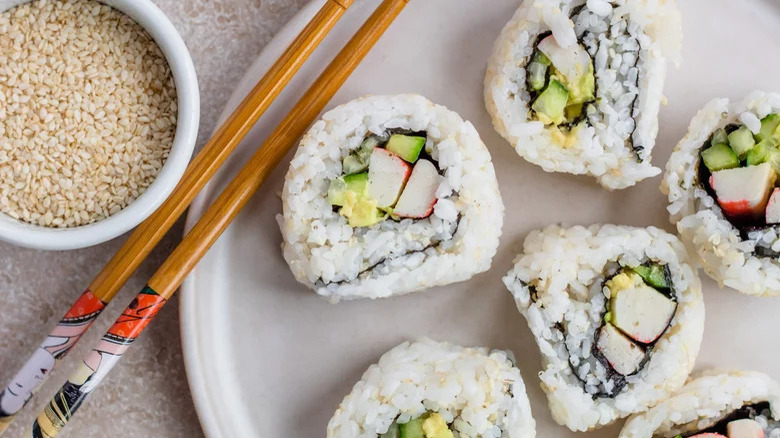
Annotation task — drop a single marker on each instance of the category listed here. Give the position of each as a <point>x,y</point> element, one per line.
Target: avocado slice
<point>582,90</point>
<point>541,58</point>
<point>773,159</point>
<point>350,192</point>
<point>537,76</point>
<point>720,136</point>
<point>760,152</point>
<point>769,125</point>
<point>574,111</point>
<point>741,141</point>
<point>357,161</point>
<point>653,274</point>
<point>551,103</point>
<point>406,146</point>
<point>363,213</point>
<point>719,157</point>
<point>412,429</point>
<point>340,187</point>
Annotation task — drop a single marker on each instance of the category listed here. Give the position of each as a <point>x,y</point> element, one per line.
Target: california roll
<point>431,389</point>
<point>575,86</point>
<point>388,195</point>
<point>617,313</point>
<point>724,194</point>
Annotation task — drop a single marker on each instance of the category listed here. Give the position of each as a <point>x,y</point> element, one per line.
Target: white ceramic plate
<point>266,357</point>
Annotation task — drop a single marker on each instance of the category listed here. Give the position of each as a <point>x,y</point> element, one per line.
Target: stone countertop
<point>146,395</point>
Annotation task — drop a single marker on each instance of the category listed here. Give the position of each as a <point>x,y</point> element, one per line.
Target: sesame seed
<point>87,112</point>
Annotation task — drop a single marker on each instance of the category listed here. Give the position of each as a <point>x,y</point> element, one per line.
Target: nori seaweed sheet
<point>745,412</point>
<point>618,380</point>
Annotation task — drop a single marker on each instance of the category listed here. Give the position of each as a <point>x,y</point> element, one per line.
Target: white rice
<point>566,267</point>
<point>391,258</point>
<point>704,401</point>
<point>634,39</point>
<point>479,392</point>
<point>722,252</point>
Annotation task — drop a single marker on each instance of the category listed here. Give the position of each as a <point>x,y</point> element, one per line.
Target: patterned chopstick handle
<point>56,346</point>
<point>97,364</point>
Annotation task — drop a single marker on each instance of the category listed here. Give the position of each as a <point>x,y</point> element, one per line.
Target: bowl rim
<point>165,35</point>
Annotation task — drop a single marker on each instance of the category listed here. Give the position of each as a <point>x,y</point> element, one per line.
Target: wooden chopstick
<point>215,152</point>
<point>141,242</point>
<point>169,276</point>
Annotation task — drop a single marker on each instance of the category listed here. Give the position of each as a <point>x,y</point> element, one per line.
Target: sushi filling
<point>594,82</point>
<point>387,177</point>
<point>429,425</point>
<point>629,312</point>
<point>752,421</point>
<point>561,82</point>
<point>393,182</point>
<point>738,168</point>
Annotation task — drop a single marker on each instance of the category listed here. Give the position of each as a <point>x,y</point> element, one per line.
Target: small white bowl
<point>151,18</point>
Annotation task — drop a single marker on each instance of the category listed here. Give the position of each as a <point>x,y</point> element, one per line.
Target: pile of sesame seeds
<point>87,112</point>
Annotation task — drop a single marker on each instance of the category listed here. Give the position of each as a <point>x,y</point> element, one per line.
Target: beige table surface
<point>146,395</point>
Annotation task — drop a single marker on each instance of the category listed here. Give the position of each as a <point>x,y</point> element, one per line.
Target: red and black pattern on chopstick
<point>140,243</point>
<point>53,349</point>
<point>98,363</point>
<point>215,220</point>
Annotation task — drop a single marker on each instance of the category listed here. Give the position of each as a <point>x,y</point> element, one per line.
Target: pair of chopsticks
<point>164,283</point>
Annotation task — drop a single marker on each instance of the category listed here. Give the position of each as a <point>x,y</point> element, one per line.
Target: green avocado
<point>760,152</point>
<point>581,90</point>
<point>741,141</point>
<point>412,429</point>
<point>339,189</point>
<point>551,103</point>
<point>769,125</point>
<point>653,275</point>
<point>774,159</point>
<point>541,58</point>
<point>406,146</point>
<point>350,192</point>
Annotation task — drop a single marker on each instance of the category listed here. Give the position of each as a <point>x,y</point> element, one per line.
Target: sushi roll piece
<point>617,313</point>
<point>737,404</point>
<point>388,195</point>
<point>575,86</point>
<point>430,389</point>
<point>722,185</point>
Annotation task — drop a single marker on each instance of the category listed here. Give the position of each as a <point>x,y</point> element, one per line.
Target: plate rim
<point>205,406</point>
<point>220,413</point>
